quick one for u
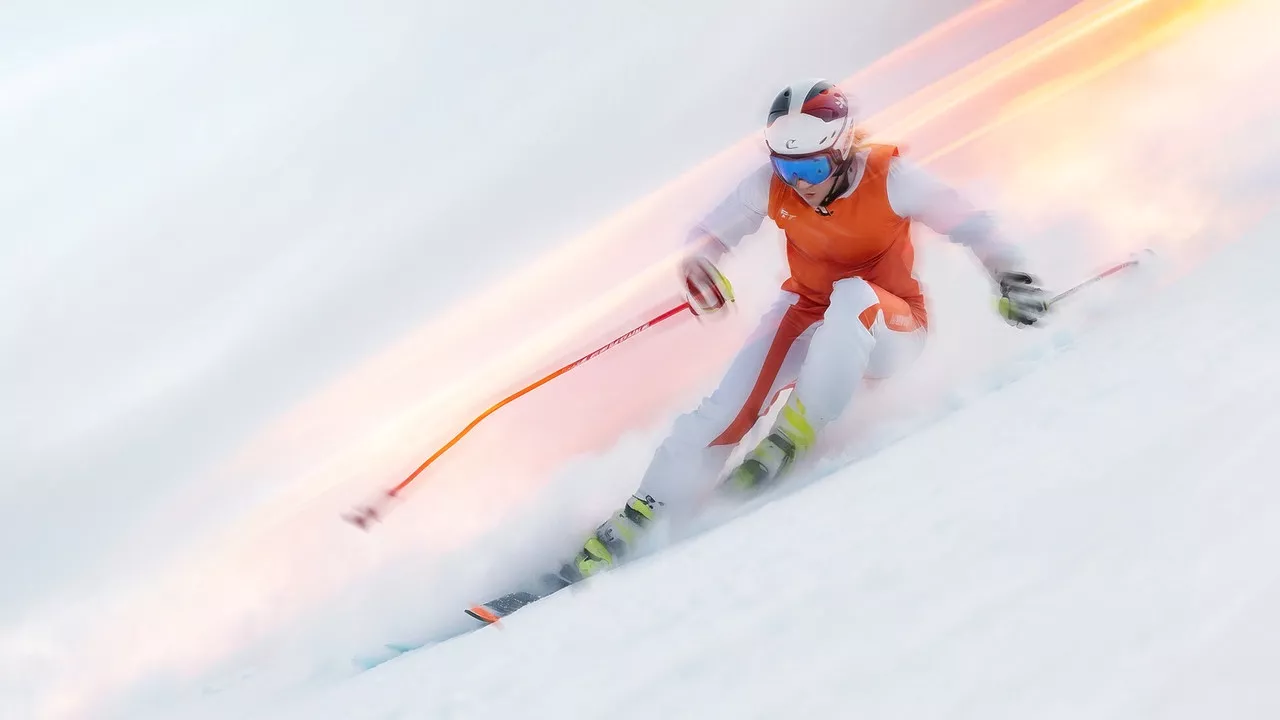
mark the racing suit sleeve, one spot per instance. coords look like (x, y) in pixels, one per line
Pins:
(738, 215)
(919, 195)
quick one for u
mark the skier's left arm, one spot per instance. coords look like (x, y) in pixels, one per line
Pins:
(919, 195)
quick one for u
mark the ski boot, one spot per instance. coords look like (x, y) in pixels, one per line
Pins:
(613, 541)
(791, 436)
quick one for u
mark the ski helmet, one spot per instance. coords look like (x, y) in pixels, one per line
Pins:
(810, 132)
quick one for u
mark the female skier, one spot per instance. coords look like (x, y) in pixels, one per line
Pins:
(850, 310)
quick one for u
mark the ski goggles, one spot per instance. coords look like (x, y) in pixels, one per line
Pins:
(812, 169)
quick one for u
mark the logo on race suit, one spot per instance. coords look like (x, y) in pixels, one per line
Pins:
(899, 322)
(791, 144)
(784, 214)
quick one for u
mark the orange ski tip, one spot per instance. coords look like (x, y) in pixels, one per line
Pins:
(482, 613)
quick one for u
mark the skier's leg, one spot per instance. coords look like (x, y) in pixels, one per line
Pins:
(896, 347)
(867, 332)
(691, 457)
(688, 461)
(865, 329)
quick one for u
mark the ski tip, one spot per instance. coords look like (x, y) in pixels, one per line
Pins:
(483, 614)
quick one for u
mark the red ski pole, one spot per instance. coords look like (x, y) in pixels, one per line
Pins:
(1133, 261)
(362, 516)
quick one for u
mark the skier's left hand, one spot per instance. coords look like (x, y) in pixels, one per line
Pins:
(1022, 301)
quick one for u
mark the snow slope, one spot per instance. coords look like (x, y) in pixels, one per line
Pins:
(1095, 539)
(1068, 522)
(1084, 528)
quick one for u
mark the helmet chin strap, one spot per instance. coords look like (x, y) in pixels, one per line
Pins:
(837, 188)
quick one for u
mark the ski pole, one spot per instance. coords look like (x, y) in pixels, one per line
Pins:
(362, 516)
(1131, 262)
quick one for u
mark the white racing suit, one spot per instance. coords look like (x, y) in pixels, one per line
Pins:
(851, 310)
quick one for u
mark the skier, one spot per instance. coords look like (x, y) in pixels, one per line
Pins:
(850, 310)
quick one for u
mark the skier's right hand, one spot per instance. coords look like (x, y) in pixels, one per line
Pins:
(705, 288)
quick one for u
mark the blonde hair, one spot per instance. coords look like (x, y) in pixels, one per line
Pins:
(860, 135)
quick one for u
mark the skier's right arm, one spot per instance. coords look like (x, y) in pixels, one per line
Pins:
(738, 215)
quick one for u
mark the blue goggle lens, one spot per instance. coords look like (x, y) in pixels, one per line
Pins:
(812, 170)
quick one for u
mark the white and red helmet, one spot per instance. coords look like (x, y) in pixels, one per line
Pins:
(810, 120)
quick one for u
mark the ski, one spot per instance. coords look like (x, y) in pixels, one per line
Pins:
(487, 613)
(498, 608)
(494, 610)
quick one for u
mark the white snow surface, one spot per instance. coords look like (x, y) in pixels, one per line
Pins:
(241, 234)
(1105, 551)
